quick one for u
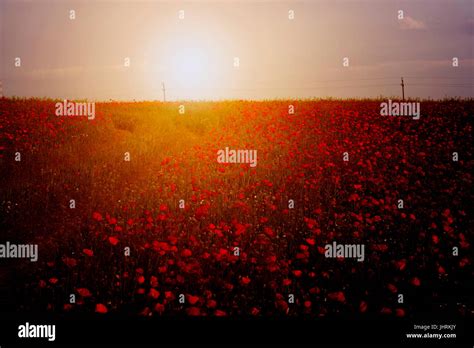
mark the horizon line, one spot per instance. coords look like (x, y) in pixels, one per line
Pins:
(263, 100)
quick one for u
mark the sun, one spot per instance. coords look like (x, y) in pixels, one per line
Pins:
(190, 66)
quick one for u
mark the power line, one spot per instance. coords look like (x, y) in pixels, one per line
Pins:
(396, 78)
(444, 85)
(440, 77)
(315, 87)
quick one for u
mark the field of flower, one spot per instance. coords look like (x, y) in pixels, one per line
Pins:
(168, 221)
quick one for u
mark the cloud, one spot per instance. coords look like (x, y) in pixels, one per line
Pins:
(410, 23)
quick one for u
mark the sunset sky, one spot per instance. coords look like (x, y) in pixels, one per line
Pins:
(194, 56)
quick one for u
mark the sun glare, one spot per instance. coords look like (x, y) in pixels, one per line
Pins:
(190, 66)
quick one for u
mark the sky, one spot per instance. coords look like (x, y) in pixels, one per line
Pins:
(233, 49)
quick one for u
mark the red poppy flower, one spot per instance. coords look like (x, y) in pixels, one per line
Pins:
(193, 311)
(153, 281)
(84, 292)
(245, 281)
(193, 299)
(337, 296)
(159, 308)
(69, 261)
(399, 312)
(254, 311)
(100, 308)
(97, 216)
(297, 273)
(113, 240)
(392, 288)
(401, 264)
(154, 293)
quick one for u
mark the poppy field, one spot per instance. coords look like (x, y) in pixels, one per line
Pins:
(134, 215)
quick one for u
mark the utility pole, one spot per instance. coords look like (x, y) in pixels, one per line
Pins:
(164, 91)
(403, 90)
